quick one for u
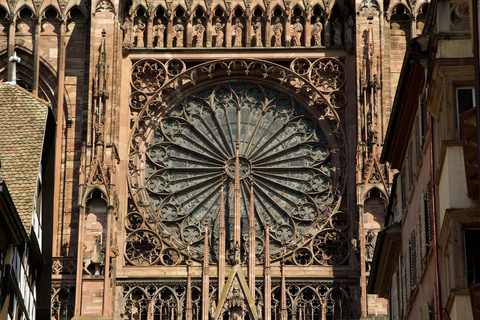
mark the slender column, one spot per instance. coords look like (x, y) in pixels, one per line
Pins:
(237, 195)
(267, 274)
(150, 31)
(268, 34)
(36, 57)
(287, 32)
(208, 33)
(283, 302)
(59, 134)
(11, 45)
(363, 278)
(106, 272)
(169, 30)
(78, 288)
(206, 276)
(248, 30)
(228, 32)
(221, 245)
(188, 307)
(189, 32)
(307, 32)
(251, 238)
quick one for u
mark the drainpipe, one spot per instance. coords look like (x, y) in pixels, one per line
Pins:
(476, 55)
(434, 224)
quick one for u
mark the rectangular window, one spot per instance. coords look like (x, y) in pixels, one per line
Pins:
(472, 255)
(465, 101)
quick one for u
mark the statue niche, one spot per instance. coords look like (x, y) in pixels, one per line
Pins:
(94, 236)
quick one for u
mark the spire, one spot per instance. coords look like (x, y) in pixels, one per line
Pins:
(14, 60)
(206, 276)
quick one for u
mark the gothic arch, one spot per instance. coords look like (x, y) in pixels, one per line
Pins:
(393, 10)
(81, 8)
(50, 7)
(25, 6)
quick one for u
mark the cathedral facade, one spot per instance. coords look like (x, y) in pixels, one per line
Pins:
(213, 159)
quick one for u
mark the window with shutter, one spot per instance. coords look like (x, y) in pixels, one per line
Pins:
(410, 166)
(402, 186)
(418, 138)
(422, 237)
(425, 312)
(429, 219)
(394, 297)
(413, 259)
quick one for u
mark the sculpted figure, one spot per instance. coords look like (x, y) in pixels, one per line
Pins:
(127, 31)
(198, 32)
(139, 33)
(349, 29)
(213, 308)
(96, 258)
(297, 33)
(257, 27)
(317, 32)
(178, 29)
(337, 32)
(219, 33)
(238, 30)
(277, 32)
(159, 32)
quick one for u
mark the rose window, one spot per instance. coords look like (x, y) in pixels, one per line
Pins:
(190, 155)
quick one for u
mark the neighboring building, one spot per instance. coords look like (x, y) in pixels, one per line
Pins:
(426, 257)
(147, 95)
(26, 142)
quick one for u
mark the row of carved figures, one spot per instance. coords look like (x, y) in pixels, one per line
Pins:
(143, 33)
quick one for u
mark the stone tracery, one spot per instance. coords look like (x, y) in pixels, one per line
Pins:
(190, 154)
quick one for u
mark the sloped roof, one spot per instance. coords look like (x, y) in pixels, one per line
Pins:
(22, 129)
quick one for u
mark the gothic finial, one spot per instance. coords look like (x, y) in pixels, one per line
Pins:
(14, 59)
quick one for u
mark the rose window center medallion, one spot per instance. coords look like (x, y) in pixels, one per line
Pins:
(244, 168)
(183, 164)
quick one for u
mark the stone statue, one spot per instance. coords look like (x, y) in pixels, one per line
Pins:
(95, 258)
(139, 34)
(337, 32)
(260, 310)
(238, 30)
(257, 27)
(159, 33)
(219, 33)
(297, 33)
(277, 32)
(213, 308)
(127, 31)
(349, 30)
(198, 32)
(178, 29)
(317, 32)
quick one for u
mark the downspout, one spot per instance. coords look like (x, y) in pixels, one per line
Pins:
(434, 223)
(476, 55)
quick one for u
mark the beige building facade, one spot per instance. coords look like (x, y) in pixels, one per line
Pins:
(424, 262)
